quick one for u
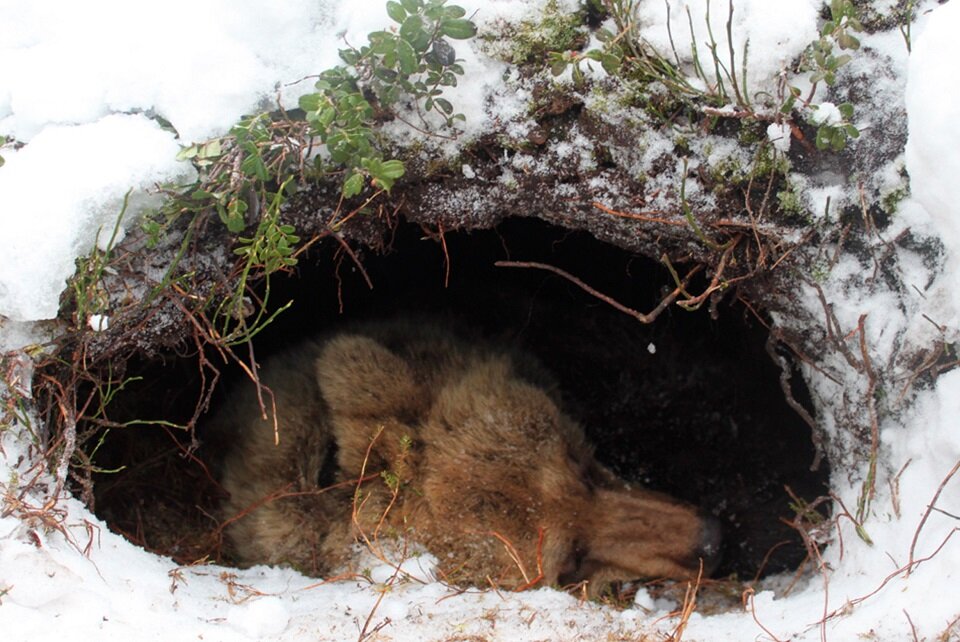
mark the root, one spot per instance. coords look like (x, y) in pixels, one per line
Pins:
(649, 317)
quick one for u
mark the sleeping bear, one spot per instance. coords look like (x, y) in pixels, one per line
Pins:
(404, 429)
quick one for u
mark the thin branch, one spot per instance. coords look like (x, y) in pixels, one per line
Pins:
(785, 376)
(639, 316)
(926, 515)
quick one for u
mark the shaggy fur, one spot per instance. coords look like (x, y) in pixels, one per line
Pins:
(479, 446)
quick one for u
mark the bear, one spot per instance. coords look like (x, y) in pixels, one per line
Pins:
(407, 428)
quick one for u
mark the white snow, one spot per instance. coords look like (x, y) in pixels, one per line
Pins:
(779, 135)
(66, 188)
(769, 34)
(80, 84)
(826, 113)
(934, 111)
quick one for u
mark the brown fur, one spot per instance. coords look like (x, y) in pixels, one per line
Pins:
(480, 446)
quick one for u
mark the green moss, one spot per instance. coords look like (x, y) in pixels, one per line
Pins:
(729, 171)
(556, 30)
(790, 201)
(766, 162)
(751, 132)
(820, 271)
(891, 201)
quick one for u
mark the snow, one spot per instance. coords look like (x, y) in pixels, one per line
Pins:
(826, 113)
(934, 112)
(82, 85)
(779, 135)
(771, 33)
(93, 166)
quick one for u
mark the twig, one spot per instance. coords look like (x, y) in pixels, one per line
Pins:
(639, 316)
(926, 515)
(446, 255)
(748, 596)
(515, 556)
(913, 629)
(903, 569)
(785, 375)
(689, 606)
(642, 216)
(869, 484)
(539, 577)
(693, 303)
(346, 248)
(895, 488)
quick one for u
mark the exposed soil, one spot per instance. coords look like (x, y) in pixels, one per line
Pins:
(689, 405)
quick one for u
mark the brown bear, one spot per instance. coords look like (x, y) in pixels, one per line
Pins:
(403, 428)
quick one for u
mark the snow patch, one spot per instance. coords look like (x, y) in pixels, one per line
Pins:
(63, 191)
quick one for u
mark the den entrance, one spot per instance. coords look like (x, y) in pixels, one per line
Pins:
(690, 405)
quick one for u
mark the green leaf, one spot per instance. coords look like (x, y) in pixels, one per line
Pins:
(444, 105)
(838, 141)
(310, 102)
(852, 131)
(383, 42)
(458, 29)
(412, 6)
(824, 137)
(203, 195)
(396, 12)
(384, 74)
(211, 149)
(253, 166)
(353, 185)
(187, 153)
(349, 56)
(454, 12)
(233, 215)
(788, 104)
(577, 75)
(610, 64)
(407, 58)
(411, 28)
(441, 54)
(392, 169)
(846, 110)
(846, 41)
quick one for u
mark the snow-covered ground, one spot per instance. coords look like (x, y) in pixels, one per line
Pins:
(80, 84)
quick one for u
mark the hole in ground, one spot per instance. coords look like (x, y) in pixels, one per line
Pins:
(688, 405)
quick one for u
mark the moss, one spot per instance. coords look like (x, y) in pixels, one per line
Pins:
(767, 162)
(890, 201)
(555, 31)
(820, 271)
(790, 200)
(729, 171)
(751, 132)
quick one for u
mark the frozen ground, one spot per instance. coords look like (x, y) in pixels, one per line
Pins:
(79, 84)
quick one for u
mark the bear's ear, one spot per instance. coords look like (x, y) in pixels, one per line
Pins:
(359, 377)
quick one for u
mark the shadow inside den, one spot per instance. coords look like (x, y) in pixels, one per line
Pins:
(689, 405)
